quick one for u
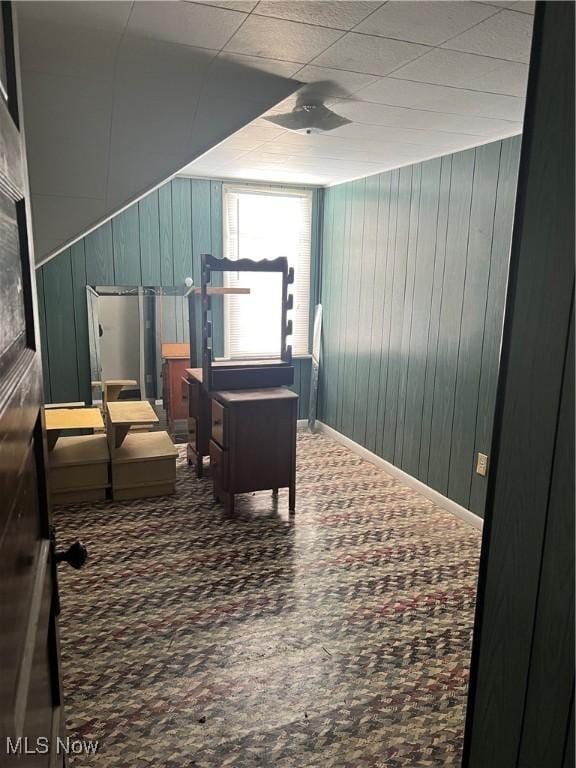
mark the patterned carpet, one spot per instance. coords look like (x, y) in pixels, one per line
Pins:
(339, 639)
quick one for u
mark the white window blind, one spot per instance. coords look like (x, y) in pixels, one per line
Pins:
(265, 223)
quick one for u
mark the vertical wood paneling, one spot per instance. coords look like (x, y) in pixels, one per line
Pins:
(156, 242)
(99, 256)
(404, 359)
(182, 230)
(342, 234)
(434, 319)
(379, 299)
(390, 224)
(60, 328)
(472, 323)
(165, 228)
(149, 221)
(126, 244)
(421, 307)
(450, 319)
(78, 262)
(364, 326)
(413, 279)
(354, 256)
(394, 358)
(499, 262)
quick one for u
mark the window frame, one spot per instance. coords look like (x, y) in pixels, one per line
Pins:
(259, 188)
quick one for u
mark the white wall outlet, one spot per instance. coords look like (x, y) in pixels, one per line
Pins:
(482, 464)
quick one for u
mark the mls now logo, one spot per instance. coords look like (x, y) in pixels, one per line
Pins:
(41, 746)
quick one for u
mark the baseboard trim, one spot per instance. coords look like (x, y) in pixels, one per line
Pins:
(438, 499)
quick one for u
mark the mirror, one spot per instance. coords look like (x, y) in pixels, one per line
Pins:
(127, 328)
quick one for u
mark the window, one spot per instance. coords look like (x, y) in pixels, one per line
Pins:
(265, 223)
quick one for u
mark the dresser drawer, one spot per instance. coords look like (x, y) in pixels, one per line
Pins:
(219, 466)
(192, 430)
(193, 399)
(219, 424)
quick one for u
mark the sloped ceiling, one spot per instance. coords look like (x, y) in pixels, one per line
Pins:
(113, 106)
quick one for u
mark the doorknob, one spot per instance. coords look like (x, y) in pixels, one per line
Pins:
(76, 555)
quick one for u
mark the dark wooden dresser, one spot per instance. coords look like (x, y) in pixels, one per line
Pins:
(253, 445)
(199, 418)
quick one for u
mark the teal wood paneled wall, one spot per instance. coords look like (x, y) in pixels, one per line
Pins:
(157, 241)
(414, 273)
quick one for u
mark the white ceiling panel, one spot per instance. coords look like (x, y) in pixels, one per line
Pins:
(523, 6)
(504, 36)
(461, 70)
(417, 80)
(430, 23)
(273, 66)
(279, 39)
(344, 14)
(401, 117)
(459, 101)
(234, 5)
(186, 23)
(369, 54)
(347, 81)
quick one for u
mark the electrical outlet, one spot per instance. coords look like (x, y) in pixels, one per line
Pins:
(482, 464)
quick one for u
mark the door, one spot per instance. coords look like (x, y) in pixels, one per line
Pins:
(30, 695)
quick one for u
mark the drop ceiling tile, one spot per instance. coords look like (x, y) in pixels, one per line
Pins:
(524, 6)
(464, 102)
(459, 101)
(279, 39)
(272, 66)
(379, 114)
(461, 70)
(234, 5)
(381, 134)
(372, 55)
(56, 49)
(342, 14)
(424, 22)
(349, 82)
(101, 14)
(511, 78)
(192, 24)
(506, 35)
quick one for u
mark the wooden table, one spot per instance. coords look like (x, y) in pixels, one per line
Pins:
(123, 414)
(58, 419)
